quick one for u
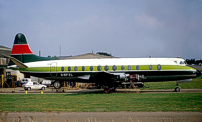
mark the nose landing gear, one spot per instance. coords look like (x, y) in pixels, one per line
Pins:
(177, 88)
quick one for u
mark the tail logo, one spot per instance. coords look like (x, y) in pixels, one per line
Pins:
(20, 45)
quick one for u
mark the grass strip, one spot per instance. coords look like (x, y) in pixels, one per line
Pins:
(195, 84)
(101, 102)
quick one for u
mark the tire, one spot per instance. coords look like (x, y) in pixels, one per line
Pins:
(43, 88)
(28, 88)
(107, 91)
(25, 89)
(57, 85)
(177, 89)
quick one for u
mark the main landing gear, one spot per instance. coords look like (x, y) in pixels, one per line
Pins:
(109, 90)
(177, 89)
(57, 85)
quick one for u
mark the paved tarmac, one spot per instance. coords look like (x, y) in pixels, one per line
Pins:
(20, 90)
(100, 117)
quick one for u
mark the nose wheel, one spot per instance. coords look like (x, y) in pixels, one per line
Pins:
(177, 89)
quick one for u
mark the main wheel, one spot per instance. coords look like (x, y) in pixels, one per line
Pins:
(57, 85)
(107, 91)
(177, 89)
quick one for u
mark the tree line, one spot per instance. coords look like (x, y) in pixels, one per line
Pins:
(194, 62)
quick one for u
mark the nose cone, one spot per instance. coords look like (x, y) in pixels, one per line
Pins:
(198, 73)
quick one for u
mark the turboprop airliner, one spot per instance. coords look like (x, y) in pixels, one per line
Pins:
(110, 72)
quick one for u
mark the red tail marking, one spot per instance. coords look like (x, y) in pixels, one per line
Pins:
(21, 49)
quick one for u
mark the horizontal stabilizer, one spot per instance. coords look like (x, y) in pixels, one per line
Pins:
(16, 61)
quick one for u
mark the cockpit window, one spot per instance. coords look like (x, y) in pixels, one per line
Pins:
(181, 62)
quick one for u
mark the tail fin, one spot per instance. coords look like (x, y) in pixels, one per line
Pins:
(20, 46)
(22, 52)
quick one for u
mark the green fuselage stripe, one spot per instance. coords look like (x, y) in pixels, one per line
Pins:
(110, 68)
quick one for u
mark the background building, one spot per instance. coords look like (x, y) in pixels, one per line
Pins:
(86, 56)
(3, 60)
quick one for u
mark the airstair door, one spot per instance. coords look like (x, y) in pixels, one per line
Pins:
(53, 69)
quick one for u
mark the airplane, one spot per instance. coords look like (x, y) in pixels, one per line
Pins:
(109, 72)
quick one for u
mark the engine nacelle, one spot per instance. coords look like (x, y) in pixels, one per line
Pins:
(136, 78)
(128, 78)
(121, 77)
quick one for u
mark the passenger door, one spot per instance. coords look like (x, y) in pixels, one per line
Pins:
(53, 69)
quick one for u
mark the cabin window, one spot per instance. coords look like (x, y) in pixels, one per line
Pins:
(91, 68)
(150, 67)
(122, 67)
(62, 69)
(114, 67)
(99, 68)
(83, 68)
(106, 68)
(137, 67)
(159, 67)
(69, 68)
(75, 68)
(129, 67)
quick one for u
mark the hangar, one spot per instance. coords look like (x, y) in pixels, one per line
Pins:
(4, 61)
(86, 56)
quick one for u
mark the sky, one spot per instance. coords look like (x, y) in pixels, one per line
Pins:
(124, 28)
